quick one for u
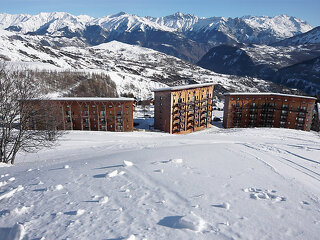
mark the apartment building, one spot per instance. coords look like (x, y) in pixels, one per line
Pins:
(183, 109)
(93, 114)
(268, 110)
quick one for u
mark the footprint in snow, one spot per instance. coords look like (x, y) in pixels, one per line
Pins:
(115, 173)
(173, 160)
(257, 194)
(222, 205)
(78, 212)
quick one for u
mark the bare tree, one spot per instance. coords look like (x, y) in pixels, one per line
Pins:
(24, 126)
(145, 104)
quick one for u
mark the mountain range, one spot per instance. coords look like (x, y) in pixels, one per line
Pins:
(182, 35)
(236, 51)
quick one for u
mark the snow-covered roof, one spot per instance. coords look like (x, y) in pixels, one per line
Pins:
(86, 99)
(182, 87)
(267, 94)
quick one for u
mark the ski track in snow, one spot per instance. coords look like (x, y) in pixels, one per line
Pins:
(214, 184)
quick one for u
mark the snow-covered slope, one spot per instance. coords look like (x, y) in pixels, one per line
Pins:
(124, 22)
(282, 25)
(310, 37)
(44, 22)
(134, 69)
(214, 184)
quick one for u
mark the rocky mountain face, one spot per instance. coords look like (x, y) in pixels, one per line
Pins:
(292, 61)
(182, 35)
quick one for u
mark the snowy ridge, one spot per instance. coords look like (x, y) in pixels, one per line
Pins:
(284, 26)
(281, 26)
(178, 21)
(125, 22)
(51, 21)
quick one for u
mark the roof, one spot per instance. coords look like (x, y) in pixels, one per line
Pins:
(176, 88)
(96, 99)
(267, 94)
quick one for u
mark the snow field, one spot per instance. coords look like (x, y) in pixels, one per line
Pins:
(213, 184)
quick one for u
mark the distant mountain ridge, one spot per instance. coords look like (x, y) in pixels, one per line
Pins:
(182, 35)
(293, 66)
(310, 37)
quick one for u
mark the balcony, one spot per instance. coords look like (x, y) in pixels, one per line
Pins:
(283, 118)
(190, 120)
(253, 111)
(268, 105)
(302, 109)
(203, 118)
(268, 110)
(300, 120)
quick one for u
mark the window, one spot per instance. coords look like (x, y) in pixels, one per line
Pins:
(93, 106)
(110, 106)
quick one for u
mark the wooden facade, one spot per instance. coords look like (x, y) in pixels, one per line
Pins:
(268, 110)
(94, 114)
(183, 109)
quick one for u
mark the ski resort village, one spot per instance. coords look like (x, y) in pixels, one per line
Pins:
(159, 128)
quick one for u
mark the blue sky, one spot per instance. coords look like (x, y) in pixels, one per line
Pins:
(308, 10)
